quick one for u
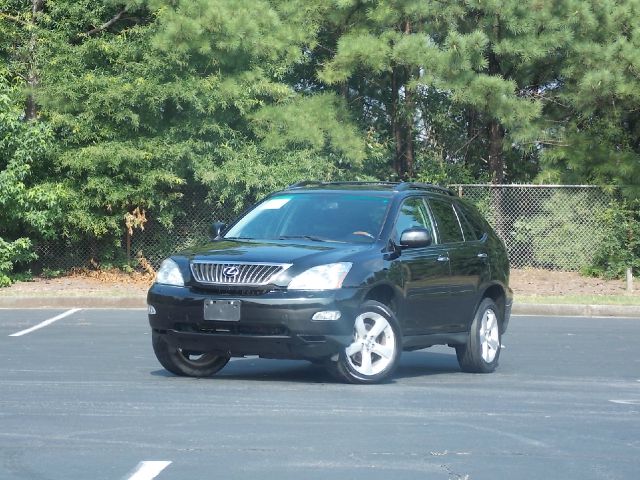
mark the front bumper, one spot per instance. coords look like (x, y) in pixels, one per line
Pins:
(276, 324)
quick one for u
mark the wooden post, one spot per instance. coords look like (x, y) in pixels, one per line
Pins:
(629, 280)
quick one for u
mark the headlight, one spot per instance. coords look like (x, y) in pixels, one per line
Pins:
(322, 277)
(169, 274)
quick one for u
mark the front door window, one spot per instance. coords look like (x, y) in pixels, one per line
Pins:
(413, 213)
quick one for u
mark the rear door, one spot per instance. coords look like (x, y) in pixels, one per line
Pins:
(468, 262)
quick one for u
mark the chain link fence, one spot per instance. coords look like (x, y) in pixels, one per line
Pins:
(193, 228)
(554, 227)
(543, 226)
(143, 246)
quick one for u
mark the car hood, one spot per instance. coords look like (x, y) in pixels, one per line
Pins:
(302, 254)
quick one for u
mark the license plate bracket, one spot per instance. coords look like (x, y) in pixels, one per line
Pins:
(222, 310)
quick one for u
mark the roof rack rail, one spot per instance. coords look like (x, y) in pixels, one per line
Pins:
(398, 186)
(306, 183)
(424, 186)
(373, 182)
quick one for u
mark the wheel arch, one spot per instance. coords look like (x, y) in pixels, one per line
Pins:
(497, 293)
(385, 294)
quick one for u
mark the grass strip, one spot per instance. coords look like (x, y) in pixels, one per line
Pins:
(580, 299)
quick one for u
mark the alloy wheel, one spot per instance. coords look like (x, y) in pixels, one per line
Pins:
(373, 346)
(489, 336)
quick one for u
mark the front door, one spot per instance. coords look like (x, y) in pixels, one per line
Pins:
(425, 275)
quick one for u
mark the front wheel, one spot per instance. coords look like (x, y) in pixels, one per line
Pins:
(481, 352)
(186, 363)
(375, 350)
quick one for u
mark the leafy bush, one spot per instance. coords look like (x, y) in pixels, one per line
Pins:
(23, 207)
(620, 247)
(12, 253)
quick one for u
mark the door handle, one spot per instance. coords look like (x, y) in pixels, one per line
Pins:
(482, 255)
(443, 258)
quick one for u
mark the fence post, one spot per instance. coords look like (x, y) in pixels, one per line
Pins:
(128, 241)
(497, 203)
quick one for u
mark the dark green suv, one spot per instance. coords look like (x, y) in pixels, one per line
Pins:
(347, 274)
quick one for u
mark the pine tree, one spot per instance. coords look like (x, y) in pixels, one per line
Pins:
(494, 58)
(597, 108)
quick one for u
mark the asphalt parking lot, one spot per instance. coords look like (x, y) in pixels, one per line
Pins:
(84, 398)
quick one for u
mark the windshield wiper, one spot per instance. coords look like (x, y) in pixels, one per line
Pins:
(306, 237)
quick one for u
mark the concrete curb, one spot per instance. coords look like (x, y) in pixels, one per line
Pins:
(632, 311)
(73, 302)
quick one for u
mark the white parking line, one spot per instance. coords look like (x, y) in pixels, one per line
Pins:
(148, 470)
(626, 402)
(45, 323)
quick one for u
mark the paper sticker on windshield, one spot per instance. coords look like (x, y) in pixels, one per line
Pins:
(274, 203)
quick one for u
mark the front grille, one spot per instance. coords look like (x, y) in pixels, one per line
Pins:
(236, 273)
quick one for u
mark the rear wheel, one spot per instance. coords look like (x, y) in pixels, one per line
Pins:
(481, 352)
(375, 350)
(184, 362)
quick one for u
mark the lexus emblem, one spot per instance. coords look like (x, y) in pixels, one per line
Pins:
(231, 271)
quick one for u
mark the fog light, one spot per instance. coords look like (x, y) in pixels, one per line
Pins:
(151, 310)
(327, 315)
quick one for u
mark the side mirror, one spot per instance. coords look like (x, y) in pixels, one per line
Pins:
(415, 238)
(216, 229)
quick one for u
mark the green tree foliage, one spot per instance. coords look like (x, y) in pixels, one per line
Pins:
(493, 58)
(25, 203)
(110, 101)
(147, 97)
(272, 135)
(12, 254)
(620, 248)
(185, 95)
(597, 102)
(121, 109)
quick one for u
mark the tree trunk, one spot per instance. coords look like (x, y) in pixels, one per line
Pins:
(407, 117)
(31, 108)
(494, 128)
(408, 131)
(396, 126)
(402, 112)
(496, 170)
(496, 159)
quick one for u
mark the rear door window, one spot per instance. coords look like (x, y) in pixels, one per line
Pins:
(475, 220)
(467, 229)
(449, 230)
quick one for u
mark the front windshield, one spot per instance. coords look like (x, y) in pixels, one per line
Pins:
(332, 217)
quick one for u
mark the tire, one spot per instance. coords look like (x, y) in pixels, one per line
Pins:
(184, 363)
(482, 351)
(371, 358)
